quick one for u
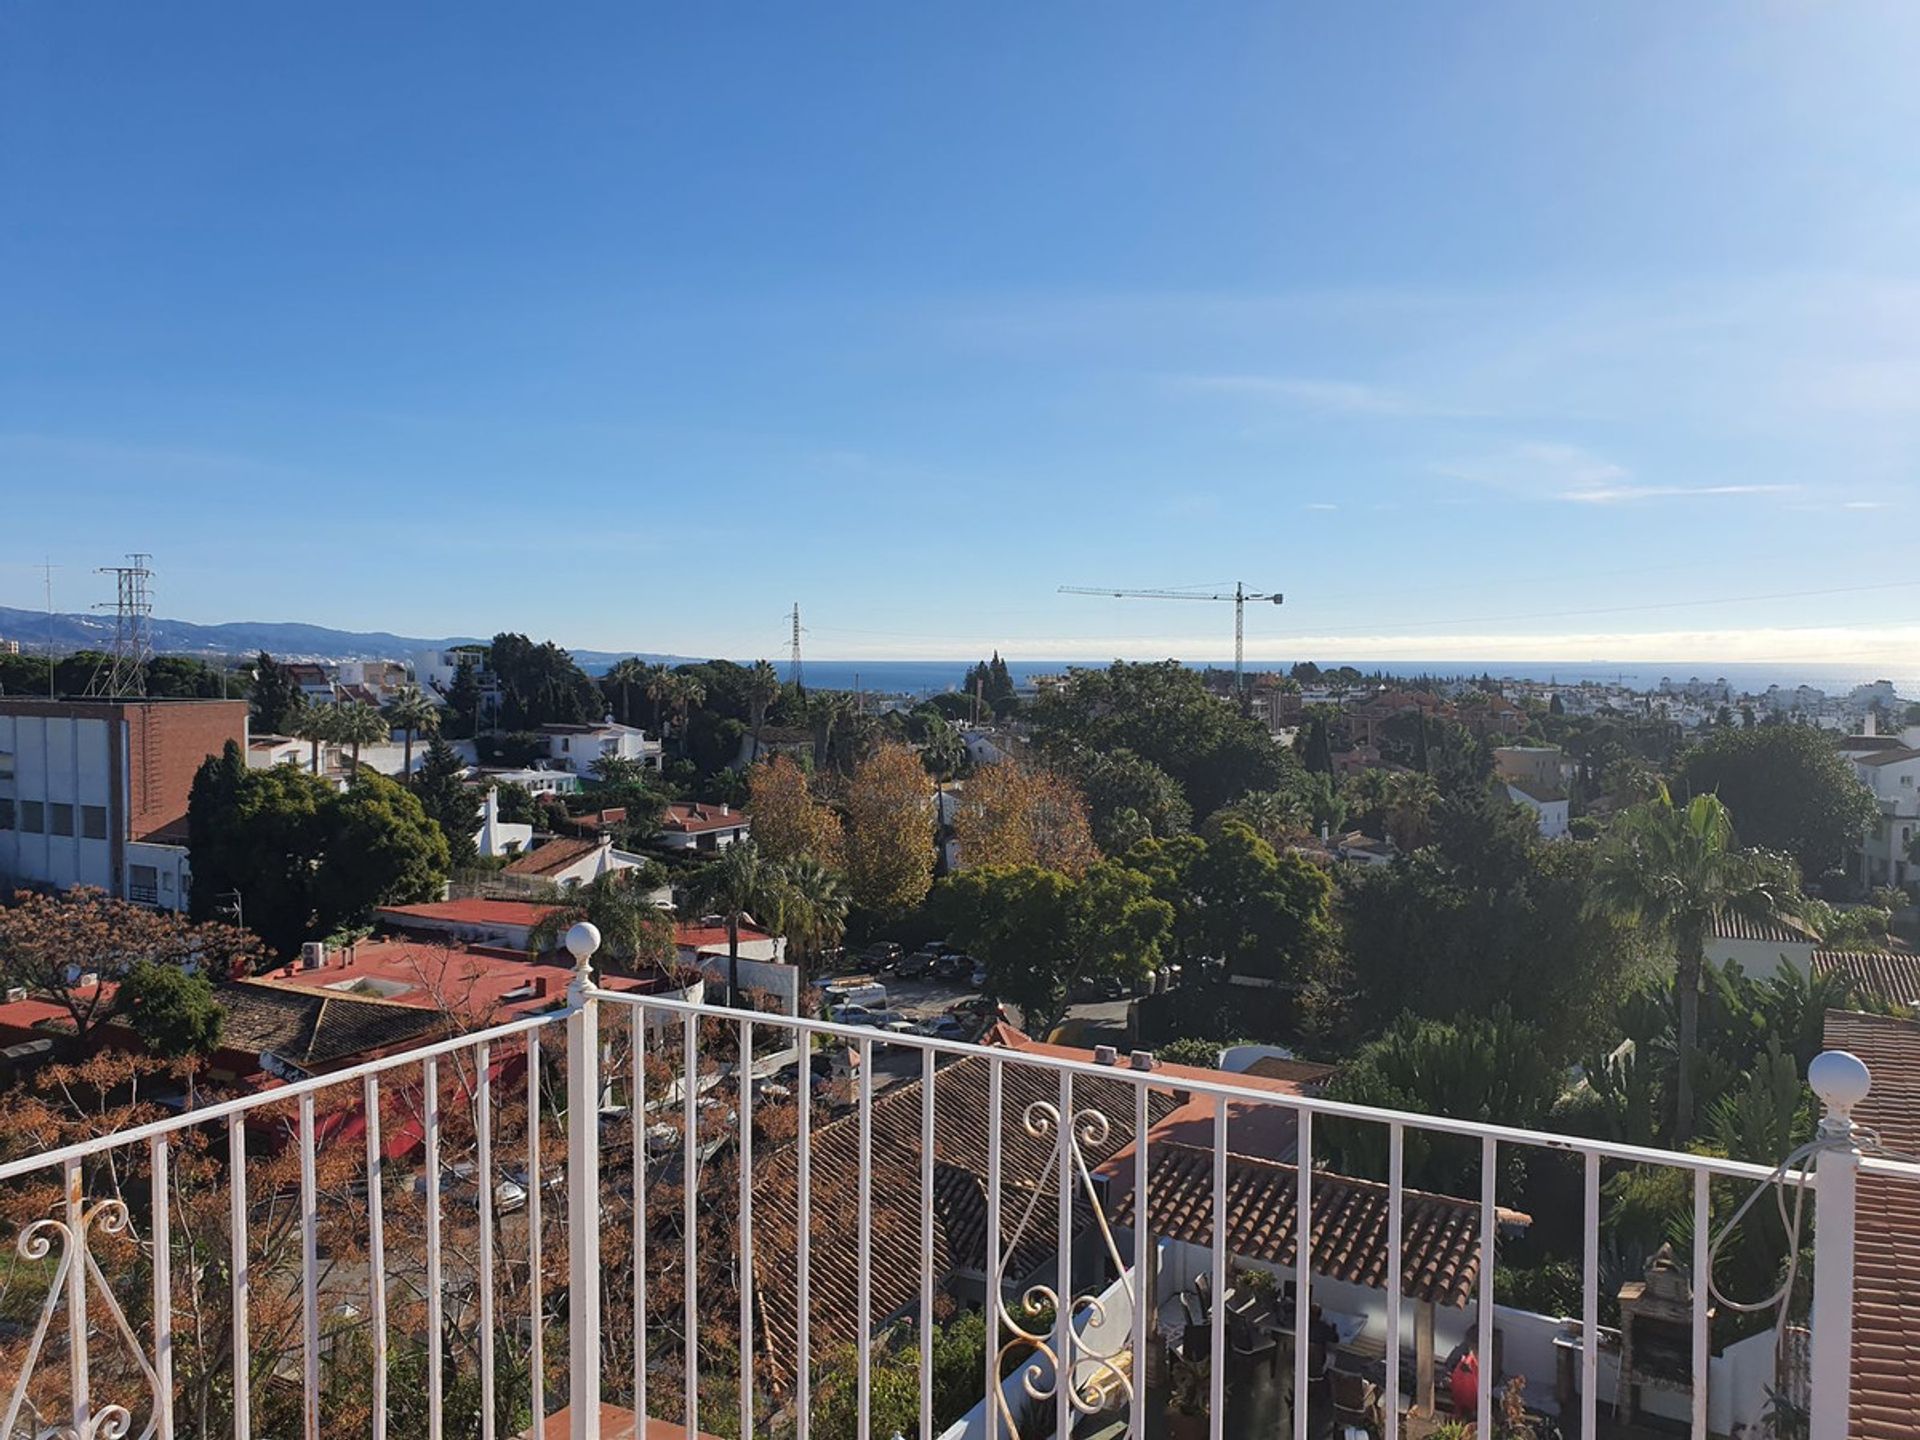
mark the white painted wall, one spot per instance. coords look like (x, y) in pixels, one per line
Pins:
(49, 761)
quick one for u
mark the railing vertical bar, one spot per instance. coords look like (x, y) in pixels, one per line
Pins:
(1396, 1280)
(242, 1276)
(1144, 1263)
(309, 1274)
(690, 1212)
(1489, 1173)
(863, 1287)
(1702, 1293)
(1063, 1274)
(436, 1279)
(926, 1244)
(803, 1243)
(996, 1297)
(1217, 1371)
(483, 1163)
(583, 1203)
(637, 1052)
(376, 1251)
(745, 1088)
(162, 1288)
(77, 1301)
(536, 1280)
(1302, 1266)
(1590, 1299)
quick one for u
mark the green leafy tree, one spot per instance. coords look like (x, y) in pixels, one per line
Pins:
(1787, 790)
(1261, 913)
(412, 713)
(1491, 1068)
(305, 858)
(1165, 714)
(443, 794)
(464, 698)
(1463, 925)
(174, 1013)
(1674, 870)
(1129, 799)
(1039, 932)
(275, 697)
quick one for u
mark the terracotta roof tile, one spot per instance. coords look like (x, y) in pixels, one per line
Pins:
(1440, 1235)
(1891, 977)
(1783, 931)
(1886, 1299)
(554, 856)
(314, 1029)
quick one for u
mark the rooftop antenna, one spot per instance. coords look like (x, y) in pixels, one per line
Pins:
(796, 673)
(125, 673)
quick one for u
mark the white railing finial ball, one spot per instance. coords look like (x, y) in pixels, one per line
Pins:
(1840, 1078)
(582, 940)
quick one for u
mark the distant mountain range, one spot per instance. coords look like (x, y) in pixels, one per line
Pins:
(283, 640)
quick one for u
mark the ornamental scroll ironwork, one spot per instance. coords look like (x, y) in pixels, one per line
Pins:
(1106, 1374)
(75, 1290)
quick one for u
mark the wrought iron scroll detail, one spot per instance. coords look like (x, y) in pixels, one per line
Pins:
(37, 1241)
(1091, 1374)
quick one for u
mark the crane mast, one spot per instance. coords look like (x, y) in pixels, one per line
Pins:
(1240, 595)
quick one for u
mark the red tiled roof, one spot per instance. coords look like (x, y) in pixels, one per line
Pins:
(479, 984)
(616, 1423)
(474, 912)
(1308, 1074)
(689, 935)
(552, 857)
(1440, 1235)
(1886, 1297)
(1892, 977)
(691, 818)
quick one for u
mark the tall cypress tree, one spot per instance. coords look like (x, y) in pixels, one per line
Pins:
(448, 802)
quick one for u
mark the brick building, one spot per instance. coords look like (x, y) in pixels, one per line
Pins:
(94, 792)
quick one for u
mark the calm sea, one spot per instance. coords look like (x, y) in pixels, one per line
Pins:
(927, 677)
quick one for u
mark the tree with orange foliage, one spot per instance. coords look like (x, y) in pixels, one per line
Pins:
(889, 830)
(48, 941)
(1009, 814)
(788, 822)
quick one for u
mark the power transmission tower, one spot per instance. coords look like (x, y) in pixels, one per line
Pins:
(1239, 596)
(796, 673)
(125, 673)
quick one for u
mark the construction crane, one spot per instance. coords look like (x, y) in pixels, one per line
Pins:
(1240, 596)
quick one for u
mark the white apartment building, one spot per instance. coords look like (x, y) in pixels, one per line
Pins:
(1893, 775)
(94, 792)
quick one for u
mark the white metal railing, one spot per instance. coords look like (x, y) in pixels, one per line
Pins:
(291, 1320)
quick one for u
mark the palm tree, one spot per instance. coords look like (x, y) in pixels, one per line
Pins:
(1676, 870)
(763, 688)
(814, 912)
(625, 676)
(360, 724)
(412, 713)
(686, 693)
(658, 686)
(317, 725)
(633, 930)
(741, 885)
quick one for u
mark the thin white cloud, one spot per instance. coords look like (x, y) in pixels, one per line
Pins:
(1551, 470)
(1332, 397)
(1320, 505)
(1620, 494)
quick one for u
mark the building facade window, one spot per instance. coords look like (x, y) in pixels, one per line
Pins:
(6, 812)
(143, 884)
(33, 817)
(93, 822)
(59, 818)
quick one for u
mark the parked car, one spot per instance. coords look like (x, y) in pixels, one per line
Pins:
(978, 979)
(951, 965)
(884, 952)
(868, 993)
(943, 1027)
(912, 967)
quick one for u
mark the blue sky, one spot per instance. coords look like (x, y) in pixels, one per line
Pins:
(1481, 329)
